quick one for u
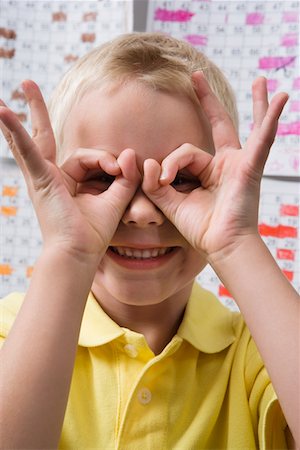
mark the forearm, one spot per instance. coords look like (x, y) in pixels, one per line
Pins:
(271, 310)
(38, 356)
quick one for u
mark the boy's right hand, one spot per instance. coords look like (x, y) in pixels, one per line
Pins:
(73, 215)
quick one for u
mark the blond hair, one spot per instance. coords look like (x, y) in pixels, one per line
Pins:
(157, 60)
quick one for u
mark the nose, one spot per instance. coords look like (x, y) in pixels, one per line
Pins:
(141, 212)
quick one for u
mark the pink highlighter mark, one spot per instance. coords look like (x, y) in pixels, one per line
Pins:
(289, 40)
(272, 85)
(285, 129)
(295, 106)
(276, 62)
(295, 164)
(290, 17)
(255, 19)
(167, 15)
(196, 39)
(296, 83)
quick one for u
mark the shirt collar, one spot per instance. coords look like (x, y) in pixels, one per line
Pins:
(207, 324)
(97, 328)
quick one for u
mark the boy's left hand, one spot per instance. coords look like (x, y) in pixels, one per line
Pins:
(214, 216)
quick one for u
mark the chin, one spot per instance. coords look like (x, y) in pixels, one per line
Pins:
(139, 294)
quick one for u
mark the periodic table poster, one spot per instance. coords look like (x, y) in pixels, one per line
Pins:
(41, 39)
(247, 39)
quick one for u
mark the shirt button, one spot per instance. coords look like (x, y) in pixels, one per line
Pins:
(131, 350)
(144, 396)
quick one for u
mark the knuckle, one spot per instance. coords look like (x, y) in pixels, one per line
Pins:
(41, 133)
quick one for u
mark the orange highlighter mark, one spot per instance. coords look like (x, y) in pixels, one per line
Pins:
(9, 210)
(5, 269)
(29, 270)
(9, 191)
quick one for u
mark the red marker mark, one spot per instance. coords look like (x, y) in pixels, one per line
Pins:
(255, 19)
(290, 17)
(90, 17)
(59, 17)
(167, 15)
(7, 33)
(272, 85)
(70, 58)
(288, 274)
(223, 292)
(280, 231)
(196, 39)
(289, 210)
(276, 62)
(88, 37)
(285, 129)
(284, 253)
(18, 95)
(8, 54)
(289, 40)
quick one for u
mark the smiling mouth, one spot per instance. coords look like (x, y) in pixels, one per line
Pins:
(141, 254)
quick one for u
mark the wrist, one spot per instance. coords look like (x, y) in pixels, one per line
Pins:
(72, 256)
(238, 249)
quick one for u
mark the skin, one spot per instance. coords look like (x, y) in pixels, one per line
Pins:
(134, 298)
(143, 204)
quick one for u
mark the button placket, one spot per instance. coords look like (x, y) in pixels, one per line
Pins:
(131, 350)
(144, 396)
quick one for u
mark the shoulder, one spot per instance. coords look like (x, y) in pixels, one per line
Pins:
(9, 308)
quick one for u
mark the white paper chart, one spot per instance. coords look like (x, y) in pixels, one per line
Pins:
(41, 39)
(246, 39)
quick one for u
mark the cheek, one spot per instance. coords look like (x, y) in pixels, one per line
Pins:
(193, 263)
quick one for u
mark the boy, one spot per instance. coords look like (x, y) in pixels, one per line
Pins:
(151, 185)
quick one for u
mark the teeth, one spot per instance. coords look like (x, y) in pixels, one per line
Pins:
(141, 254)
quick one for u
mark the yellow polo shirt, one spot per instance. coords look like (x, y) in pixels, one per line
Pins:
(208, 389)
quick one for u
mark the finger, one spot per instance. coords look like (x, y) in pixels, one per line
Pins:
(165, 197)
(84, 160)
(261, 139)
(21, 144)
(187, 156)
(223, 131)
(42, 133)
(126, 183)
(260, 100)
(10, 142)
(128, 164)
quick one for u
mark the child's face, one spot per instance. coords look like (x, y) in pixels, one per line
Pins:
(154, 124)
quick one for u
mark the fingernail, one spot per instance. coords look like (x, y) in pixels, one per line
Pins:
(163, 175)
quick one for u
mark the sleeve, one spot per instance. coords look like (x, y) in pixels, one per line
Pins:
(266, 413)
